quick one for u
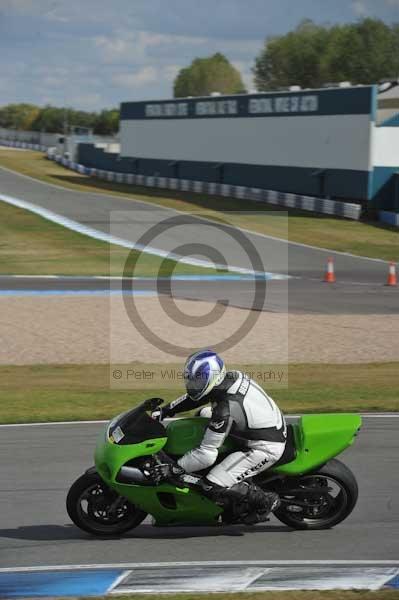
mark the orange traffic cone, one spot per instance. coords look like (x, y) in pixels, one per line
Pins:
(330, 274)
(392, 280)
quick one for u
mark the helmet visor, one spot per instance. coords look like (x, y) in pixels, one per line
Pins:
(196, 385)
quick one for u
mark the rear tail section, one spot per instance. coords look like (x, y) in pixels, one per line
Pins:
(318, 438)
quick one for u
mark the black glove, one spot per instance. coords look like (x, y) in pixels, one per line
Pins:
(166, 472)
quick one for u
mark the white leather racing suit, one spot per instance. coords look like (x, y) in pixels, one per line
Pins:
(242, 409)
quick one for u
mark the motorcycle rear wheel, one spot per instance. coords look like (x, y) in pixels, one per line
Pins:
(98, 510)
(320, 511)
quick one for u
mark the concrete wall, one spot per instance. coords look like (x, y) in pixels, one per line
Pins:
(31, 137)
(311, 142)
(301, 142)
(96, 157)
(386, 147)
(319, 205)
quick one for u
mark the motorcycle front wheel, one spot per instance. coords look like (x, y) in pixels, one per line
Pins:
(319, 500)
(98, 510)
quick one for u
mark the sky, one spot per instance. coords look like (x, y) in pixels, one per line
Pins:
(94, 54)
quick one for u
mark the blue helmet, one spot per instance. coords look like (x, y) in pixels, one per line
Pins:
(202, 372)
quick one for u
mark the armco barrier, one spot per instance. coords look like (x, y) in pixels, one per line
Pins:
(23, 145)
(390, 218)
(320, 205)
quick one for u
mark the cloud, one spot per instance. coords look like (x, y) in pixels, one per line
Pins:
(93, 53)
(113, 49)
(364, 8)
(125, 46)
(138, 79)
(170, 72)
(19, 6)
(245, 69)
(51, 9)
(360, 8)
(88, 101)
(145, 76)
(53, 15)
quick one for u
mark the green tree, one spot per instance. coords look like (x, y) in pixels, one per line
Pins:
(311, 55)
(50, 119)
(364, 52)
(107, 122)
(206, 75)
(53, 119)
(81, 118)
(18, 116)
(292, 59)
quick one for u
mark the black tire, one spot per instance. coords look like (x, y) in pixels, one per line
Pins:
(339, 508)
(97, 519)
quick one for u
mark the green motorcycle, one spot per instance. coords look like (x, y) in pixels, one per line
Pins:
(316, 490)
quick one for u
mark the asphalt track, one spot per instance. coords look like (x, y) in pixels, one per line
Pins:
(359, 289)
(294, 295)
(39, 463)
(95, 210)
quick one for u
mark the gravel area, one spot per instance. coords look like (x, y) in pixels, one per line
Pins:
(84, 329)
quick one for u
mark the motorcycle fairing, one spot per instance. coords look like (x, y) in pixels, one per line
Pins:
(169, 505)
(317, 439)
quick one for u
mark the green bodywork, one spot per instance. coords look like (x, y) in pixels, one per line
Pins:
(187, 505)
(318, 438)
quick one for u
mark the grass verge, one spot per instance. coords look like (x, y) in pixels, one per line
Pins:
(82, 392)
(283, 595)
(360, 238)
(31, 245)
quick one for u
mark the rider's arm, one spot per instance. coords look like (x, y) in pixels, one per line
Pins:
(182, 404)
(206, 454)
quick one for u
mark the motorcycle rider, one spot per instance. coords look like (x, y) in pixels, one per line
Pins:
(241, 409)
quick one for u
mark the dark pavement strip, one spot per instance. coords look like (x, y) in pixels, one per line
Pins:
(294, 295)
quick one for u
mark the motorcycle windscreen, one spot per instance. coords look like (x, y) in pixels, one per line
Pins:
(134, 427)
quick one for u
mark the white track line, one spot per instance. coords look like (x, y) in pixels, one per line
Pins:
(112, 239)
(263, 235)
(45, 424)
(233, 563)
(118, 581)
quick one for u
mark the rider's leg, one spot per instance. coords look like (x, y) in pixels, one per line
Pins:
(238, 466)
(228, 478)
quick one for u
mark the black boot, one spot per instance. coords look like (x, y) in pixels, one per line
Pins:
(242, 502)
(231, 499)
(259, 503)
(263, 503)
